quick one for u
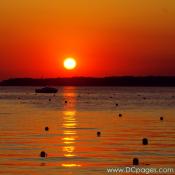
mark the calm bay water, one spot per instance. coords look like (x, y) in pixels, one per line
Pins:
(71, 142)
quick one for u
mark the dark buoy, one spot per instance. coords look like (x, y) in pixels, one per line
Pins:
(145, 141)
(120, 115)
(98, 134)
(161, 118)
(43, 154)
(49, 99)
(116, 104)
(46, 128)
(66, 102)
(135, 161)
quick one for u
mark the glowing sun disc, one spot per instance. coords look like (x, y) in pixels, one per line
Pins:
(70, 63)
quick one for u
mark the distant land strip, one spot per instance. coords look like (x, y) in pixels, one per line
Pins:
(164, 81)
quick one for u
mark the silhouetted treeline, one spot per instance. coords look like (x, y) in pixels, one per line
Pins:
(89, 81)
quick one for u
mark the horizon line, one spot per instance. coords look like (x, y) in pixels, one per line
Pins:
(112, 76)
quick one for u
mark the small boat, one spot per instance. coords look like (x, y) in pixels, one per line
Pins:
(46, 90)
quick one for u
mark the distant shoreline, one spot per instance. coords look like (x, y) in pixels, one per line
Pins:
(163, 81)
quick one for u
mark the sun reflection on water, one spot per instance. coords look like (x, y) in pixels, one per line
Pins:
(69, 133)
(70, 136)
(71, 165)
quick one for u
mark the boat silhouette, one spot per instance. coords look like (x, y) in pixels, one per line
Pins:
(46, 90)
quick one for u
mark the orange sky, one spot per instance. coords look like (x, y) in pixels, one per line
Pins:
(107, 37)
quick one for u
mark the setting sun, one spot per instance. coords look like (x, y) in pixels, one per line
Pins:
(70, 63)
